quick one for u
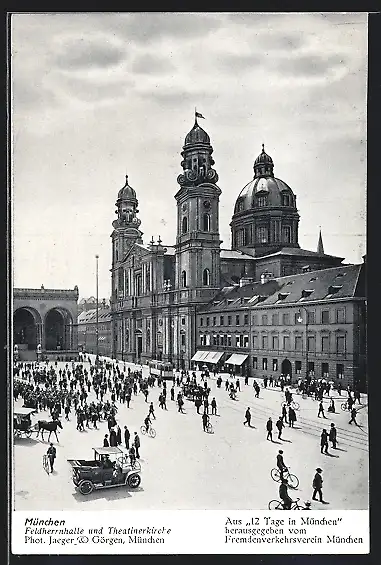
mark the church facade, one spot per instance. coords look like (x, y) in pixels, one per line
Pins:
(158, 290)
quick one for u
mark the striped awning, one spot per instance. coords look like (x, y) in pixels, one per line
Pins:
(200, 356)
(236, 359)
(213, 357)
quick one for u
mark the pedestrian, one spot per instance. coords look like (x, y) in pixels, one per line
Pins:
(205, 421)
(105, 441)
(172, 393)
(151, 411)
(128, 399)
(269, 428)
(257, 389)
(331, 407)
(52, 454)
(333, 435)
(237, 384)
(118, 435)
(248, 418)
(291, 417)
(113, 441)
(280, 427)
(137, 445)
(246, 379)
(317, 485)
(132, 454)
(214, 406)
(321, 409)
(284, 414)
(324, 441)
(180, 403)
(353, 416)
(127, 437)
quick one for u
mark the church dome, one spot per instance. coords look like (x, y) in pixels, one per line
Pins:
(197, 135)
(127, 192)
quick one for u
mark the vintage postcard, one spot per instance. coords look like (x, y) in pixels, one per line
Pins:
(189, 301)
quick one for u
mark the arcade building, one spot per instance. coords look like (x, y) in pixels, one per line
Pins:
(163, 294)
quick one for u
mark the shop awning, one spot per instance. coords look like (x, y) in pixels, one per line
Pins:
(213, 357)
(236, 359)
(200, 356)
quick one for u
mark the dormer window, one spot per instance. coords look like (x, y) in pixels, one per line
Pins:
(282, 295)
(285, 200)
(306, 268)
(262, 200)
(332, 290)
(306, 293)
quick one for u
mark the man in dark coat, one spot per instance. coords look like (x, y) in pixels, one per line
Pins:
(105, 441)
(137, 445)
(291, 417)
(333, 435)
(248, 418)
(280, 427)
(127, 437)
(324, 441)
(317, 485)
(269, 428)
(113, 440)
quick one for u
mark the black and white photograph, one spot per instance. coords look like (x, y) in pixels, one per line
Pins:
(189, 314)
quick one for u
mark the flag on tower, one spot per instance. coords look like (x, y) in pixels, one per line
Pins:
(198, 115)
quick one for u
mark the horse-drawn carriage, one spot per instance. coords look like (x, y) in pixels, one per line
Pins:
(22, 423)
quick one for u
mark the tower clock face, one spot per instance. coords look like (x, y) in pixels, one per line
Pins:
(206, 204)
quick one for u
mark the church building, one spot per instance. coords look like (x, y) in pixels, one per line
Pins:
(159, 289)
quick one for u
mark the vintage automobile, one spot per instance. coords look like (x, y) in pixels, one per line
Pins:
(111, 467)
(22, 425)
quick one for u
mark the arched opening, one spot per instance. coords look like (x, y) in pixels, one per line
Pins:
(184, 227)
(58, 330)
(184, 279)
(25, 330)
(206, 277)
(286, 368)
(206, 222)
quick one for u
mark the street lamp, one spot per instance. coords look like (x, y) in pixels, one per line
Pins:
(300, 320)
(97, 313)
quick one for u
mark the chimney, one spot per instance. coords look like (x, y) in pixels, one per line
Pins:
(265, 277)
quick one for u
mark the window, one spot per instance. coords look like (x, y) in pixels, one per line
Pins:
(275, 342)
(262, 200)
(264, 320)
(182, 339)
(340, 344)
(184, 225)
(237, 340)
(201, 321)
(245, 341)
(207, 321)
(207, 339)
(262, 235)
(246, 319)
(265, 341)
(264, 364)
(202, 339)
(120, 279)
(324, 370)
(206, 277)
(183, 279)
(340, 316)
(237, 320)
(286, 319)
(275, 364)
(285, 200)
(221, 320)
(311, 343)
(214, 342)
(229, 320)
(325, 317)
(255, 362)
(311, 368)
(298, 367)
(206, 222)
(311, 316)
(286, 343)
(333, 289)
(229, 339)
(214, 320)
(325, 343)
(275, 319)
(255, 341)
(183, 321)
(339, 371)
(286, 234)
(255, 320)
(298, 343)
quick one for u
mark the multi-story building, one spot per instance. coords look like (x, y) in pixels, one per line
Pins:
(159, 291)
(88, 328)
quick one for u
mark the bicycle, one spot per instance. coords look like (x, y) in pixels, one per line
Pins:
(293, 481)
(293, 404)
(151, 432)
(46, 464)
(278, 505)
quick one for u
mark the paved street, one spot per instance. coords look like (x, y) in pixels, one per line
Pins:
(186, 468)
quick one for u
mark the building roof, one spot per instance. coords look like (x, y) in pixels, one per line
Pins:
(325, 284)
(299, 252)
(90, 316)
(234, 254)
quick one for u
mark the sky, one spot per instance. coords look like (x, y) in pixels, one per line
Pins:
(96, 96)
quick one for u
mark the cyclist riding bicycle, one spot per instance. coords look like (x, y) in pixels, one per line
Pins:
(284, 496)
(147, 423)
(280, 463)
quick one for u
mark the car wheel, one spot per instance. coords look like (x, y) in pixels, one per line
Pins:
(86, 487)
(134, 480)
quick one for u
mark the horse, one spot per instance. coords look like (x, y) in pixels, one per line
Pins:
(52, 426)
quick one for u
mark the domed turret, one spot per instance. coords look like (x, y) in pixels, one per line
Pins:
(127, 192)
(263, 165)
(196, 135)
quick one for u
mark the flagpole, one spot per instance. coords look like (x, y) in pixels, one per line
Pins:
(195, 114)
